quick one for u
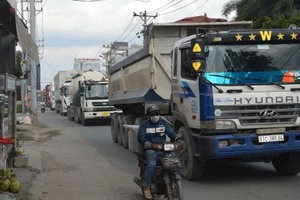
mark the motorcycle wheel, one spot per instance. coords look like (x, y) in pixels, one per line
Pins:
(177, 192)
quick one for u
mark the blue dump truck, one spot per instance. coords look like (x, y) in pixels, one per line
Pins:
(230, 94)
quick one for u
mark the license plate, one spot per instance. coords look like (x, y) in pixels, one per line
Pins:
(105, 113)
(270, 138)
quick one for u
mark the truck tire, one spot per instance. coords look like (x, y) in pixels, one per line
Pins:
(83, 121)
(61, 110)
(56, 109)
(76, 117)
(124, 131)
(119, 129)
(193, 168)
(68, 114)
(113, 124)
(287, 163)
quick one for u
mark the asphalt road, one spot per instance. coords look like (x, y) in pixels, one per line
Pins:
(222, 182)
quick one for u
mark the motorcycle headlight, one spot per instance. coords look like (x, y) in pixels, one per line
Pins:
(169, 147)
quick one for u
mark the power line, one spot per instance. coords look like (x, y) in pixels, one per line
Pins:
(199, 7)
(171, 6)
(160, 7)
(265, 10)
(125, 29)
(179, 8)
(132, 30)
(132, 39)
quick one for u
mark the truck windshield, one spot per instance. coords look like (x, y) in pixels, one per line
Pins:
(96, 91)
(253, 64)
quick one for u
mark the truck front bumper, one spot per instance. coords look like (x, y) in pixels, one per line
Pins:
(91, 115)
(208, 147)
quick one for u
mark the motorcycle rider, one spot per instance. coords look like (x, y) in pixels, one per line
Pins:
(151, 131)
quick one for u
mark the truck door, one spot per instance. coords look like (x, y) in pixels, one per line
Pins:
(186, 87)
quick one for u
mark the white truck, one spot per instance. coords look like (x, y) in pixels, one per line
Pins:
(89, 98)
(61, 85)
(233, 95)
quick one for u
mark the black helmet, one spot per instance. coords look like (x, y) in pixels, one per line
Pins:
(152, 108)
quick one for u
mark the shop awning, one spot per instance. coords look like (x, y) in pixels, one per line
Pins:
(25, 40)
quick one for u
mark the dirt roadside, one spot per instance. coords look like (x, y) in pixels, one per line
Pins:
(29, 135)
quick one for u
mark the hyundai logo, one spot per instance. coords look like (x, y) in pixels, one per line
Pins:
(268, 114)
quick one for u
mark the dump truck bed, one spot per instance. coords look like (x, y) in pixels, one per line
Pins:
(145, 76)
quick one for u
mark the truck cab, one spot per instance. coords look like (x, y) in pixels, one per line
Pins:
(94, 101)
(65, 98)
(235, 96)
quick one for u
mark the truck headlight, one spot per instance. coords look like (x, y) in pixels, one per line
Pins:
(217, 124)
(225, 124)
(88, 109)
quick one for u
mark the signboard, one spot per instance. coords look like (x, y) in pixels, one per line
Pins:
(7, 82)
(2, 82)
(11, 83)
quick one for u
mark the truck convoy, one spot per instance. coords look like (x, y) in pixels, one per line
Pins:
(89, 98)
(232, 94)
(62, 81)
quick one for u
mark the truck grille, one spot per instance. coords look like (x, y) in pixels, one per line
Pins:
(100, 103)
(250, 114)
(110, 108)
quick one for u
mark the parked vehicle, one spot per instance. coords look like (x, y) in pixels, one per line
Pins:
(232, 95)
(43, 107)
(61, 84)
(47, 96)
(89, 98)
(166, 179)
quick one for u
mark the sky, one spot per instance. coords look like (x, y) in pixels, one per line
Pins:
(71, 29)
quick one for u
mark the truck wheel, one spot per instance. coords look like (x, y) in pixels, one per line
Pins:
(119, 128)
(61, 110)
(287, 163)
(124, 131)
(83, 121)
(68, 116)
(193, 168)
(113, 124)
(76, 117)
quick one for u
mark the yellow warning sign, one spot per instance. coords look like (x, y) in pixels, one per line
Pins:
(196, 48)
(196, 65)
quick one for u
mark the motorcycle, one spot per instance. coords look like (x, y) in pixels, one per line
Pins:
(43, 107)
(166, 179)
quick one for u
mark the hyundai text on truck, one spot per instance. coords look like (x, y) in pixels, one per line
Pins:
(61, 85)
(231, 94)
(89, 98)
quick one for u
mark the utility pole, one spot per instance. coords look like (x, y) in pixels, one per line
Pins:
(144, 17)
(33, 76)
